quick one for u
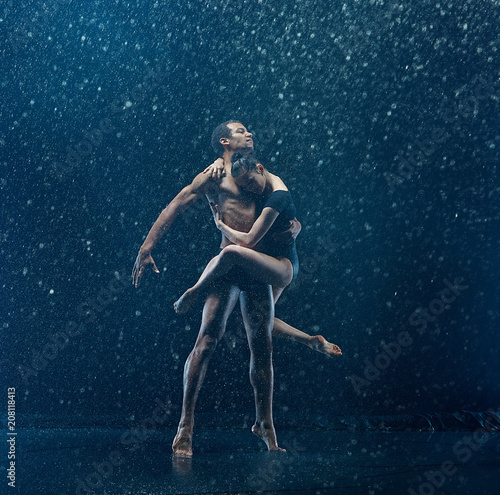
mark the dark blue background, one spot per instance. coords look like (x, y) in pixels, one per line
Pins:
(334, 94)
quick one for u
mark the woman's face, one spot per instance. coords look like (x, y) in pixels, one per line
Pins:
(252, 181)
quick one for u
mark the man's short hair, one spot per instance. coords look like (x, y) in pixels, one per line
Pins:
(242, 164)
(221, 131)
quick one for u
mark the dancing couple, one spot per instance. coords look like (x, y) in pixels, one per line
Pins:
(257, 260)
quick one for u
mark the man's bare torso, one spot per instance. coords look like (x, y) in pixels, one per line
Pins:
(236, 206)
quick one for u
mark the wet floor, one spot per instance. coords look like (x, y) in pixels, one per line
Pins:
(111, 462)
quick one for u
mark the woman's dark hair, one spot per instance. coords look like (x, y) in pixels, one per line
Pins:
(243, 164)
(221, 131)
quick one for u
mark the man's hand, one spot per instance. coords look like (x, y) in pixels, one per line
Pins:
(216, 170)
(295, 228)
(289, 235)
(141, 262)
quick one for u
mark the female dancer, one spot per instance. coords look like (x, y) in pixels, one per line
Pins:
(275, 264)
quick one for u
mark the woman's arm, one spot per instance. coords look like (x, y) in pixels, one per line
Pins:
(257, 232)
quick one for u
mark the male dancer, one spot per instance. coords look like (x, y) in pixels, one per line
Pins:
(239, 212)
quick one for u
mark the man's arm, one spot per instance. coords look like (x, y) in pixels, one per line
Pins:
(188, 196)
(289, 235)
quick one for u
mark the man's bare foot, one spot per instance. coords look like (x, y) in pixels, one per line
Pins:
(320, 344)
(182, 445)
(268, 436)
(184, 302)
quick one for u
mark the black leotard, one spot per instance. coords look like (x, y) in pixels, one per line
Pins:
(282, 202)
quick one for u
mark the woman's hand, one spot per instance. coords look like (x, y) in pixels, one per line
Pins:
(216, 170)
(216, 214)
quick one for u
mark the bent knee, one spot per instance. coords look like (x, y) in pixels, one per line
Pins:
(231, 251)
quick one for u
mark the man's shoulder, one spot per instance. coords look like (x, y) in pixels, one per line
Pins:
(203, 183)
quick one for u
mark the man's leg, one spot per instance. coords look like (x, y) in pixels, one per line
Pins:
(257, 309)
(218, 306)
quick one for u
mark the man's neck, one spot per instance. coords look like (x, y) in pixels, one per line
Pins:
(227, 160)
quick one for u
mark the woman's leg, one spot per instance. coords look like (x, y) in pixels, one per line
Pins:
(286, 331)
(259, 266)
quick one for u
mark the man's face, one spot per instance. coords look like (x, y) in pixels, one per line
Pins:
(241, 139)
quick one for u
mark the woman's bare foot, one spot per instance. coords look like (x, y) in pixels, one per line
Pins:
(268, 436)
(320, 344)
(184, 302)
(182, 445)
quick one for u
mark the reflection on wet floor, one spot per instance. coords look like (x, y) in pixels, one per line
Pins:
(100, 461)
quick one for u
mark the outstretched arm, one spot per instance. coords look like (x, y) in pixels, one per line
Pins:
(257, 232)
(188, 196)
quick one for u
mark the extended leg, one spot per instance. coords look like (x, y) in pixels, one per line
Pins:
(218, 306)
(286, 331)
(257, 309)
(315, 342)
(261, 267)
